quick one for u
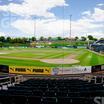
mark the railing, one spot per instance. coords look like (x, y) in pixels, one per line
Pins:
(10, 80)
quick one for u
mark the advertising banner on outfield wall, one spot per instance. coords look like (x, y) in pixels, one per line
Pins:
(71, 70)
(49, 71)
(30, 70)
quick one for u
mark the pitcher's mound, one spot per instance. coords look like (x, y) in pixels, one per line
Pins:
(60, 61)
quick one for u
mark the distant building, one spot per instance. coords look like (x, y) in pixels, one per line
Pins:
(98, 46)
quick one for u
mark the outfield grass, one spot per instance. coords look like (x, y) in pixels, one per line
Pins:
(85, 57)
(38, 53)
(90, 58)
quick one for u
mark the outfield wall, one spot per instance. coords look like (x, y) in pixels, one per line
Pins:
(44, 70)
(48, 71)
(32, 70)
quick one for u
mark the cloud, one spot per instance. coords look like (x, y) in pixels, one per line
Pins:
(87, 13)
(2, 34)
(91, 22)
(97, 15)
(54, 27)
(98, 34)
(50, 27)
(34, 7)
(101, 4)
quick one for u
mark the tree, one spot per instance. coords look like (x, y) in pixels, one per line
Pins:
(8, 39)
(42, 38)
(49, 38)
(24, 40)
(101, 38)
(18, 40)
(76, 38)
(2, 38)
(33, 39)
(95, 39)
(1, 44)
(90, 37)
(83, 38)
(59, 38)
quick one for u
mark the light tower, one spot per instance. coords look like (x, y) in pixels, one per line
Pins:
(70, 35)
(70, 27)
(34, 28)
(33, 41)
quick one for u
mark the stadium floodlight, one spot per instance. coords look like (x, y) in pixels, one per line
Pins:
(70, 34)
(34, 28)
(70, 26)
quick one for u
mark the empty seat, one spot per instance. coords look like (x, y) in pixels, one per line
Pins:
(19, 99)
(52, 91)
(37, 93)
(61, 94)
(49, 100)
(50, 94)
(64, 100)
(4, 99)
(34, 100)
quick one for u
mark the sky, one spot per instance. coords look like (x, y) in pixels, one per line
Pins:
(27, 18)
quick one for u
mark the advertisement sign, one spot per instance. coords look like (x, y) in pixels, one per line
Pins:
(29, 70)
(71, 70)
(49, 71)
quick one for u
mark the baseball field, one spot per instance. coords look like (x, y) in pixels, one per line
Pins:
(49, 57)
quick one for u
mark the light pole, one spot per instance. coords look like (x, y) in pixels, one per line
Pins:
(33, 41)
(70, 26)
(70, 35)
(34, 29)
